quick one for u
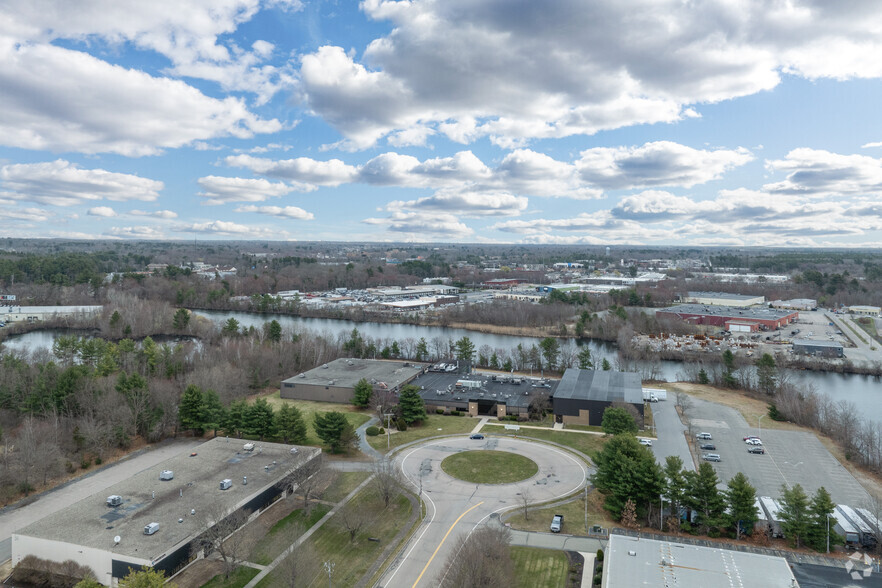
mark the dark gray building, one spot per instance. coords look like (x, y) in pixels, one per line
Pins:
(820, 348)
(583, 395)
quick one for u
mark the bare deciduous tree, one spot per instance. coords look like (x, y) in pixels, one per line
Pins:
(353, 517)
(482, 558)
(300, 567)
(387, 481)
(524, 500)
(307, 482)
(226, 536)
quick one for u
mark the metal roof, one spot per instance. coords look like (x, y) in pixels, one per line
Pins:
(817, 343)
(631, 562)
(723, 296)
(766, 314)
(604, 386)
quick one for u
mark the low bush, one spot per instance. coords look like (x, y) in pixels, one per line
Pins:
(372, 431)
(599, 555)
(439, 411)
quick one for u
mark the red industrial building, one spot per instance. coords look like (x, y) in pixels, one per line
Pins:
(502, 283)
(723, 316)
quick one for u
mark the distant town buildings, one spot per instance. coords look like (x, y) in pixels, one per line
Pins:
(795, 304)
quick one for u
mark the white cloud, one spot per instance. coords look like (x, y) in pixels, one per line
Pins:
(63, 100)
(163, 214)
(139, 232)
(419, 225)
(219, 190)
(287, 212)
(226, 228)
(25, 214)
(302, 169)
(61, 183)
(467, 204)
(815, 172)
(514, 69)
(871, 145)
(662, 163)
(104, 211)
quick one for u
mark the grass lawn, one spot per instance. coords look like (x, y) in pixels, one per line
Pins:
(869, 325)
(237, 579)
(436, 424)
(344, 483)
(353, 559)
(308, 408)
(539, 568)
(489, 467)
(587, 444)
(284, 532)
(573, 513)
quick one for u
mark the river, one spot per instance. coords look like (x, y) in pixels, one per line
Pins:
(864, 391)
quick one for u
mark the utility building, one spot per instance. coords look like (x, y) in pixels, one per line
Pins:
(582, 395)
(151, 520)
(718, 316)
(820, 348)
(335, 381)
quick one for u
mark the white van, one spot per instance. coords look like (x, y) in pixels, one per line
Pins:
(151, 528)
(225, 484)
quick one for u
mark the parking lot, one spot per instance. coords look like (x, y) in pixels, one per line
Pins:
(669, 430)
(791, 457)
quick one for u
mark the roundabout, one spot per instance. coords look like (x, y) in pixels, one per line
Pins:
(454, 507)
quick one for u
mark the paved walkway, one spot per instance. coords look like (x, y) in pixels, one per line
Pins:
(557, 541)
(670, 433)
(267, 569)
(363, 444)
(547, 429)
(588, 568)
(478, 427)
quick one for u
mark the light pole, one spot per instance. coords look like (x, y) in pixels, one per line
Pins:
(759, 424)
(329, 567)
(661, 508)
(586, 506)
(388, 433)
(828, 532)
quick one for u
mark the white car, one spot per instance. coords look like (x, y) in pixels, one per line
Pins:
(647, 442)
(754, 441)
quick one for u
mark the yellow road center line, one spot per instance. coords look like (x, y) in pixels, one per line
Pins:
(428, 563)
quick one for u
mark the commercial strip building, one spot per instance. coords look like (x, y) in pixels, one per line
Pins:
(632, 561)
(795, 304)
(421, 303)
(502, 283)
(13, 313)
(413, 291)
(718, 316)
(819, 348)
(865, 310)
(111, 540)
(723, 299)
(335, 381)
(581, 396)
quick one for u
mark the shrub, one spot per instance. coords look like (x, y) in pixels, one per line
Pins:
(402, 426)
(598, 578)
(372, 431)
(456, 413)
(439, 411)
(381, 431)
(713, 532)
(599, 555)
(85, 462)
(69, 467)
(98, 461)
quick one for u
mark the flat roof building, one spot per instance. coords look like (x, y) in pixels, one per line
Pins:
(630, 562)
(724, 299)
(112, 539)
(717, 316)
(795, 304)
(480, 394)
(865, 310)
(583, 395)
(820, 348)
(335, 381)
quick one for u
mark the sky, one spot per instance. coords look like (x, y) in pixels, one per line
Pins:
(599, 122)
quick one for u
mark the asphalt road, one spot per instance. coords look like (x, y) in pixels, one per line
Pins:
(12, 519)
(670, 431)
(791, 457)
(455, 507)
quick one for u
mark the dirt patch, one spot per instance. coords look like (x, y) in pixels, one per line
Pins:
(506, 330)
(199, 573)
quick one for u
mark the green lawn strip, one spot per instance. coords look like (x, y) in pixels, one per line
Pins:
(353, 559)
(308, 409)
(237, 579)
(539, 568)
(448, 425)
(850, 325)
(587, 444)
(489, 467)
(285, 532)
(592, 428)
(868, 324)
(573, 513)
(345, 483)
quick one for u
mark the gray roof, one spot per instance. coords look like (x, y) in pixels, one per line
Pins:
(723, 295)
(346, 372)
(196, 486)
(665, 563)
(440, 388)
(816, 343)
(766, 314)
(604, 386)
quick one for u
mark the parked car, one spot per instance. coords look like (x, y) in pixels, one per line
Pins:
(754, 441)
(708, 446)
(556, 523)
(647, 442)
(476, 436)
(751, 437)
(704, 436)
(711, 457)
(756, 449)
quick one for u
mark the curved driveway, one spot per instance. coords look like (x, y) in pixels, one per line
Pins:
(456, 507)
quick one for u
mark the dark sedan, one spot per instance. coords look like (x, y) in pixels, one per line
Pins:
(476, 436)
(708, 446)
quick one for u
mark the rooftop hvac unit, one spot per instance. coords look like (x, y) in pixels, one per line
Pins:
(166, 475)
(114, 500)
(151, 528)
